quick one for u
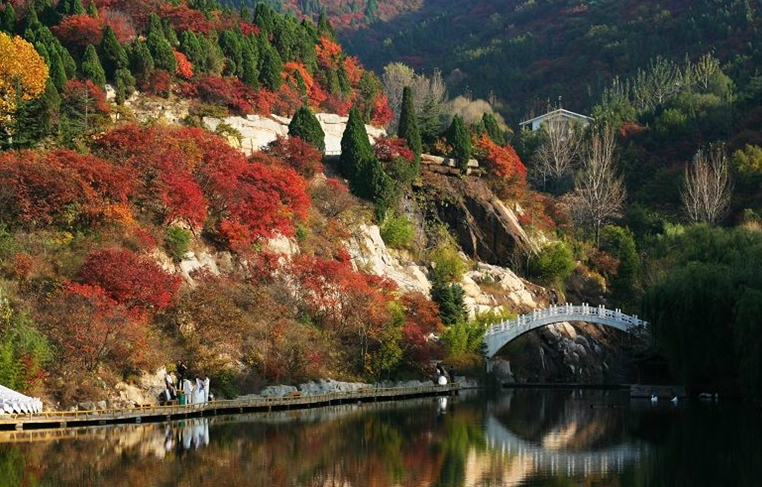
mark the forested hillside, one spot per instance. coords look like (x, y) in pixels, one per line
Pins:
(343, 15)
(106, 214)
(127, 242)
(525, 52)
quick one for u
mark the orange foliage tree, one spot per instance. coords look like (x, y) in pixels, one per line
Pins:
(184, 67)
(23, 74)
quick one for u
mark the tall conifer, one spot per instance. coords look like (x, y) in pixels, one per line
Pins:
(307, 127)
(493, 129)
(272, 67)
(460, 140)
(92, 68)
(112, 54)
(408, 126)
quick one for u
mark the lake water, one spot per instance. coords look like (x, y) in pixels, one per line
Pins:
(522, 437)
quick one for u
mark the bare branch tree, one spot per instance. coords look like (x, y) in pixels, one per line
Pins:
(707, 187)
(429, 94)
(599, 192)
(559, 148)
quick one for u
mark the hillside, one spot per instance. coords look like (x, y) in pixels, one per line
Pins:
(528, 53)
(134, 235)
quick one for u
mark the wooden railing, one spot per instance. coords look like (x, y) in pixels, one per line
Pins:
(59, 419)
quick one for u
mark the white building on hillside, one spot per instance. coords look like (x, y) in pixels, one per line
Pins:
(558, 114)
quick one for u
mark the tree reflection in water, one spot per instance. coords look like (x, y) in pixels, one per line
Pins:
(462, 441)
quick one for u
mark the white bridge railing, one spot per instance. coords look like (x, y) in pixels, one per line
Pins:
(498, 335)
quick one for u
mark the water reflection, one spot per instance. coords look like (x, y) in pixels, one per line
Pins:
(521, 437)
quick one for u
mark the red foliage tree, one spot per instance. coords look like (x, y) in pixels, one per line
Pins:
(381, 114)
(185, 18)
(124, 29)
(329, 53)
(78, 94)
(90, 329)
(158, 83)
(504, 164)
(229, 92)
(389, 148)
(195, 174)
(264, 203)
(162, 162)
(421, 321)
(184, 67)
(63, 187)
(130, 279)
(297, 154)
(352, 306)
(77, 31)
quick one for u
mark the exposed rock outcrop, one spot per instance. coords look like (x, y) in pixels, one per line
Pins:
(486, 229)
(257, 131)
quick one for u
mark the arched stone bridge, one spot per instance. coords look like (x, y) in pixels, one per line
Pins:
(499, 335)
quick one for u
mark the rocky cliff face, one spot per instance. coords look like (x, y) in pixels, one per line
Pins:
(487, 230)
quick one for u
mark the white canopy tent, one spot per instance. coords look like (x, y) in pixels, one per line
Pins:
(12, 402)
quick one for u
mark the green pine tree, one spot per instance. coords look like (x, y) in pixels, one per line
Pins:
(324, 27)
(91, 66)
(112, 54)
(492, 127)
(306, 126)
(450, 299)
(460, 140)
(141, 61)
(359, 165)
(92, 9)
(161, 51)
(36, 119)
(190, 46)
(57, 72)
(408, 126)
(270, 76)
(77, 8)
(250, 75)
(124, 85)
(8, 19)
(231, 43)
(355, 146)
(264, 17)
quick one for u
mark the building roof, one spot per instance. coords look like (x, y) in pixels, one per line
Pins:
(555, 113)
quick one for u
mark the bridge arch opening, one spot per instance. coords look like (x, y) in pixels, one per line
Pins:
(499, 335)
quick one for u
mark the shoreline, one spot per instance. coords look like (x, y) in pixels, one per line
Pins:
(66, 419)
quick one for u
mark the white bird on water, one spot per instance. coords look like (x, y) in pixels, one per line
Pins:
(654, 398)
(674, 400)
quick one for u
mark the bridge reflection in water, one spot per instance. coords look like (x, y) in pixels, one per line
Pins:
(576, 443)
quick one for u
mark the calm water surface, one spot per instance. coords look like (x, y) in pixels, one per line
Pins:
(525, 437)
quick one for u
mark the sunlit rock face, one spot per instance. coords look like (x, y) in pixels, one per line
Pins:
(257, 131)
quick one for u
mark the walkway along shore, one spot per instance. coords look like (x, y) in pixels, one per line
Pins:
(65, 419)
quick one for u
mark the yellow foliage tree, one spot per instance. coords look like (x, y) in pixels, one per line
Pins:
(23, 74)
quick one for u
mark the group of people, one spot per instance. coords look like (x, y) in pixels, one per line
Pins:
(185, 390)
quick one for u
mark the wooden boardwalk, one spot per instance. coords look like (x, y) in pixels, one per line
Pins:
(66, 419)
